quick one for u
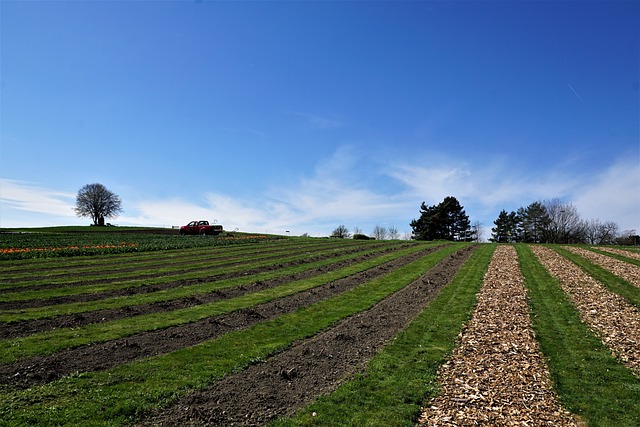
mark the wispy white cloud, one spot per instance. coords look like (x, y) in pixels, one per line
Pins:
(32, 197)
(483, 187)
(612, 195)
(346, 189)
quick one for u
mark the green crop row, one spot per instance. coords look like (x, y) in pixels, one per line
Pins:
(206, 286)
(58, 339)
(14, 246)
(116, 277)
(121, 394)
(51, 267)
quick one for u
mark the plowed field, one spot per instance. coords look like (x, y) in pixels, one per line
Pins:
(309, 332)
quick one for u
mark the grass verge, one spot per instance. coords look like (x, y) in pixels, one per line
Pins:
(397, 381)
(589, 381)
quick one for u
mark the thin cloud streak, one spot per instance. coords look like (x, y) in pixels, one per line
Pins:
(576, 93)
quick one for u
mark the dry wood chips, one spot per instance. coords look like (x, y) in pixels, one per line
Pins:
(628, 254)
(496, 375)
(624, 270)
(615, 320)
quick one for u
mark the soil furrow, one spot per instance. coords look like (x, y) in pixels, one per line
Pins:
(96, 262)
(497, 375)
(615, 320)
(145, 289)
(28, 327)
(78, 283)
(295, 377)
(128, 266)
(42, 369)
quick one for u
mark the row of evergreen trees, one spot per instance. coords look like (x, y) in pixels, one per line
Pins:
(551, 221)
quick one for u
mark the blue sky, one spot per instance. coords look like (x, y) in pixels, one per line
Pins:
(302, 116)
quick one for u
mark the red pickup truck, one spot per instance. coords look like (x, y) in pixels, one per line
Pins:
(202, 228)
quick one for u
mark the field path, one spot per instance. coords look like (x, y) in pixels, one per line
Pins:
(497, 375)
(624, 270)
(297, 376)
(614, 319)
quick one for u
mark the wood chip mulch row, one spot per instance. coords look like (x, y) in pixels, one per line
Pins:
(624, 270)
(615, 320)
(628, 254)
(497, 375)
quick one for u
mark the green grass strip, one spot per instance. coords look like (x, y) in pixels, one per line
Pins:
(617, 256)
(57, 267)
(589, 381)
(118, 396)
(104, 262)
(165, 275)
(59, 339)
(614, 283)
(9, 316)
(17, 266)
(169, 270)
(399, 379)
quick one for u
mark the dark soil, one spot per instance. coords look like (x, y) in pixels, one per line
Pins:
(124, 266)
(42, 369)
(296, 377)
(274, 255)
(28, 327)
(94, 296)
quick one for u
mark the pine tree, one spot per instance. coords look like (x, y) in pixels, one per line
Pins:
(445, 221)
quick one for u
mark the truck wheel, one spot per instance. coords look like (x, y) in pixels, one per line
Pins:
(203, 232)
(182, 233)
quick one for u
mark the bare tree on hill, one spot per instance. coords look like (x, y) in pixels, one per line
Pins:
(97, 202)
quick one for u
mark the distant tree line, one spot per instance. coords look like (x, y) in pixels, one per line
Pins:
(549, 221)
(379, 232)
(555, 221)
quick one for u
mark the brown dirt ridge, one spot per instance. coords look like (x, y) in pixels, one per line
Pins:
(93, 296)
(42, 369)
(293, 378)
(27, 327)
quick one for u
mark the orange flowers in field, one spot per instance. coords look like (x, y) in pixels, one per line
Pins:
(106, 246)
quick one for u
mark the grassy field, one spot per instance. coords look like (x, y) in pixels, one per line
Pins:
(112, 326)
